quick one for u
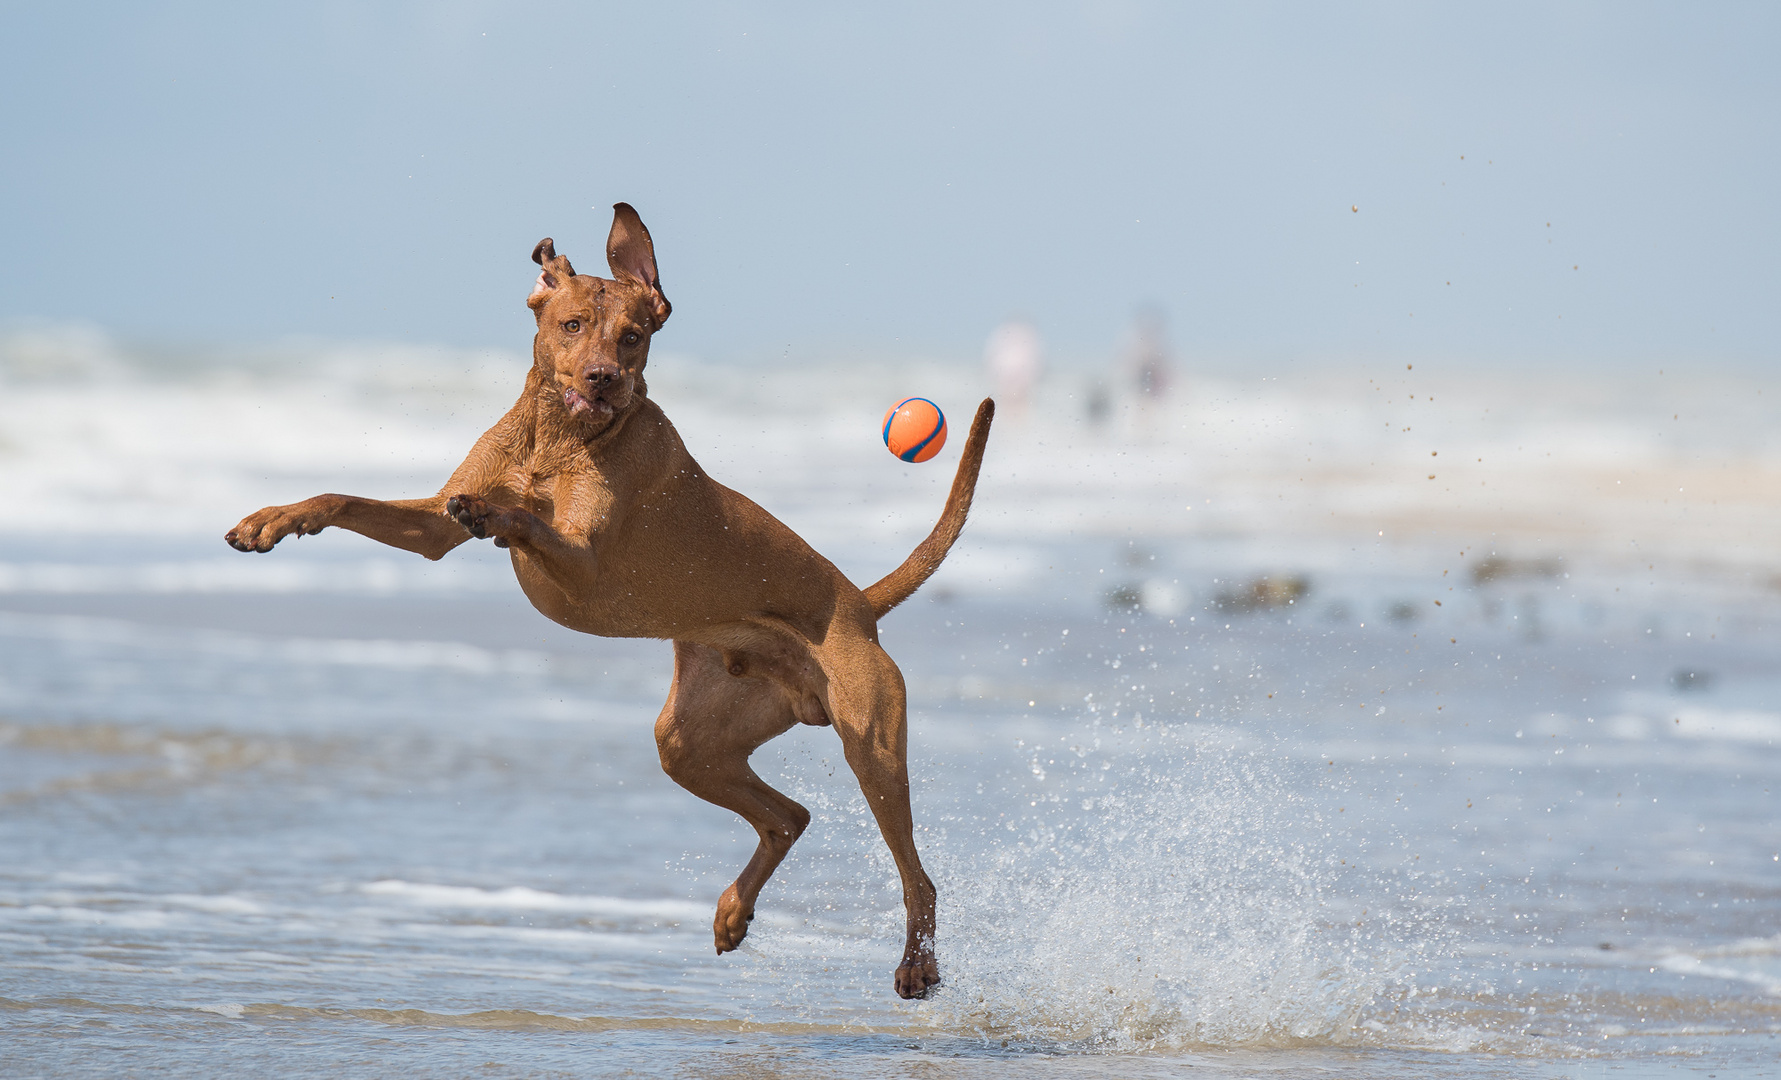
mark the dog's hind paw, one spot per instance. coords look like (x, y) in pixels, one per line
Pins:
(917, 977)
(731, 924)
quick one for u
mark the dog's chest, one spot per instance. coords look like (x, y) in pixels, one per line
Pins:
(536, 486)
(572, 495)
(543, 478)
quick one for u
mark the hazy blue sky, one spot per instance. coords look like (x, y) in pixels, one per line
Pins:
(829, 178)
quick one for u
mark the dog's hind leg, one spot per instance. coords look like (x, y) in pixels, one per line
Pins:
(711, 724)
(868, 704)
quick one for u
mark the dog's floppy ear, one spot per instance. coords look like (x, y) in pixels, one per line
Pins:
(556, 268)
(632, 256)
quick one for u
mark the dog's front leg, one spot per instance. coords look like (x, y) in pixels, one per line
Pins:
(410, 524)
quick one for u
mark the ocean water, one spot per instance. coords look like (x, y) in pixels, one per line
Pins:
(1345, 719)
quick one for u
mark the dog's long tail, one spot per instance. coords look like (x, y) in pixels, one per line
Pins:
(900, 584)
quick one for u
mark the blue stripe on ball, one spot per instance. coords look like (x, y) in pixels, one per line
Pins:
(891, 417)
(913, 452)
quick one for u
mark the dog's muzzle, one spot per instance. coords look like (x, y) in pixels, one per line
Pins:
(594, 398)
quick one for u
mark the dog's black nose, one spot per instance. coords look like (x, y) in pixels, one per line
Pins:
(599, 378)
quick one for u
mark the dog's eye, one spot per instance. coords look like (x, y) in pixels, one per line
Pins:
(573, 326)
(632, 338)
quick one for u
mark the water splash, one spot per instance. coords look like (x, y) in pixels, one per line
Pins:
(1166, 887)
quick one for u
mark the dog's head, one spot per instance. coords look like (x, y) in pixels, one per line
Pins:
(593, 332)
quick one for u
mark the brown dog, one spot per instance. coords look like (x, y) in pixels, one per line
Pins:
(615, 530)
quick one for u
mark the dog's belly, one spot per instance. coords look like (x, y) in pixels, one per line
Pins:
(603, 611)
(763, 647)
(619, 604)
(771, 653)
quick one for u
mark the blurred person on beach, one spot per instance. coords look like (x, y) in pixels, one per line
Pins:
(1097, 400)
(1148, 367)
(1014, 358)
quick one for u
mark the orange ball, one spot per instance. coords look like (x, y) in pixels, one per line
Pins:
(915, 429)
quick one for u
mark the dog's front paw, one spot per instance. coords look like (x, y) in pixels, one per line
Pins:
(474, 514)
(470, 512)
(731, 924)
(917, 976)
(262, 529)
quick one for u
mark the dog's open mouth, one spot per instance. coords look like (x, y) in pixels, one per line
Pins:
(582, 408)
